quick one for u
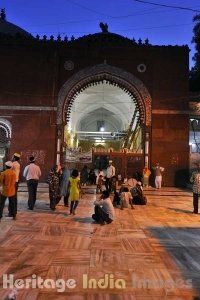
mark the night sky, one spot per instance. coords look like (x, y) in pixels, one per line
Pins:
(161, 23)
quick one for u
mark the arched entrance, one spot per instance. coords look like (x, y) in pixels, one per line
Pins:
(127, 117)
(5, 136)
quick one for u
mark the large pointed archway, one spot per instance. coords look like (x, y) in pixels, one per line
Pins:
(101, 74)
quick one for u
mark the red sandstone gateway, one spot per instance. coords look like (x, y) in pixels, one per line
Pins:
(102, 91)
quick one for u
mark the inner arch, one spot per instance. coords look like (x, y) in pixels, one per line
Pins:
(104, 102)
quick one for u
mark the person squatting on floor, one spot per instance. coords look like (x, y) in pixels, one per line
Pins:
(195, 180)
(138, 195)
(103, 209)
(126, 199)
(8, 182)
(74, 188)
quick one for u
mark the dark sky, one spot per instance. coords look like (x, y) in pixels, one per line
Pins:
(167, 22)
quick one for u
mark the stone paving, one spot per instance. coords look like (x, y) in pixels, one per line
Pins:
(151, 252)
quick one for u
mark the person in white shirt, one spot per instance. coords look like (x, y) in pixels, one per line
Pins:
(32, 174)
(158, 175)
(104, 210)
(110, 173)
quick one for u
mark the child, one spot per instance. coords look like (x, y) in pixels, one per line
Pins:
(99, 184)
(126, 198)
(74, 188)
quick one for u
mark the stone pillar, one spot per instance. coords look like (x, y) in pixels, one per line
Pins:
(59, 145)
(146, 149)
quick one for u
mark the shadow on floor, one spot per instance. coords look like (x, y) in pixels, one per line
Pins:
(180, 210)
(83, 220)
(183, 245)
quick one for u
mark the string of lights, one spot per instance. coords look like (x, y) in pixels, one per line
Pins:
(166, 5)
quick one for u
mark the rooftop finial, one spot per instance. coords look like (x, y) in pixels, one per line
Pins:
(103, 26)
(3, 14)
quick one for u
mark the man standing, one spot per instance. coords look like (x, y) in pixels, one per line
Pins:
(32, 174)
(8, 181)
(158, 175)
(16, 169)
(195, 180)
(110, 173)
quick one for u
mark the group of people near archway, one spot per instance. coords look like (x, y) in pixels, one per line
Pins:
(67, 184)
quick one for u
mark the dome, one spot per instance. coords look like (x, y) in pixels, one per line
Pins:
(105, 37)
(7, 28)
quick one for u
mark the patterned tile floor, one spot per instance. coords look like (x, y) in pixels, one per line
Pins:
(151, 252)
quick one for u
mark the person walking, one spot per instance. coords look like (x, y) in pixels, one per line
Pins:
(74, 188)
(195, 180)
(158, 175)
(64, 183)
(32, 174)
(8, 182)
(110, 173)
(103, 209)
(53, 180)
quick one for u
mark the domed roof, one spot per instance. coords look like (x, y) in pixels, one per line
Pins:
(105, 37)
(8, 28)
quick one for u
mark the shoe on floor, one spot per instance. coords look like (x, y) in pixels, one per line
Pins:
(109, 222)
(103, 223)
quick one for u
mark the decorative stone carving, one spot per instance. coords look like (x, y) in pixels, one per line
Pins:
(122, 78)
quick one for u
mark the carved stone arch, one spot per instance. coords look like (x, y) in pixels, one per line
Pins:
(98, 73)
(7, 127)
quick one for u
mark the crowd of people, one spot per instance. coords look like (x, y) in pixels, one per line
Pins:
(67, 184)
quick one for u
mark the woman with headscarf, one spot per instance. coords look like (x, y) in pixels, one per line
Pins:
(53, 180)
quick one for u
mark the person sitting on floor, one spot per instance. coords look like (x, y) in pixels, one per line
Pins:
(116, 199)
(126, 199)
(138, 196)
(103, 209)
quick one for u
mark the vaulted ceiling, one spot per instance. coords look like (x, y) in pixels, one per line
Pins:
(104, 103)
